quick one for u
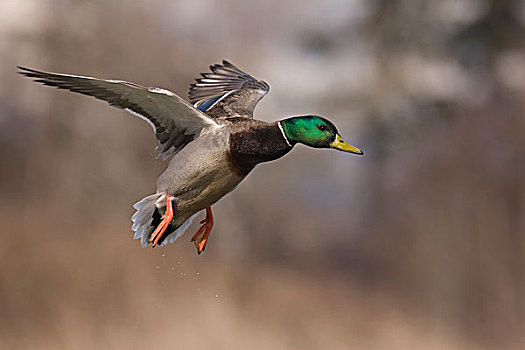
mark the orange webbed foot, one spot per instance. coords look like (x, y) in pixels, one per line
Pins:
(166, 219)
(201, 237)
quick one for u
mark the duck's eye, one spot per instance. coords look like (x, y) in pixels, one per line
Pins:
(322, 127)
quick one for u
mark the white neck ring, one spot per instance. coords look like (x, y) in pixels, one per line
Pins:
(284, 135)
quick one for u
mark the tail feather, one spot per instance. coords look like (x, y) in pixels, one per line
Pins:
(143, 218)
(147, 217)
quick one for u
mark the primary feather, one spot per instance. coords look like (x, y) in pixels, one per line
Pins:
(227, 92)
(174, 121)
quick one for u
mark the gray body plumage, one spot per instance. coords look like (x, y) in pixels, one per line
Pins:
(196, 177)
(199, 175)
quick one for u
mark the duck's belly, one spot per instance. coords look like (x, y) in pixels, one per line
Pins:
(199, 175)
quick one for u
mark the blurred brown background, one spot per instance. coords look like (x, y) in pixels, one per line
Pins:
(420, 244)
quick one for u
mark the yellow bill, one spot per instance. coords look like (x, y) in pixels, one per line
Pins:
(341, 145)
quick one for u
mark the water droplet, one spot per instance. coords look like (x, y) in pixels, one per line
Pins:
(158, 267)
(216, 295)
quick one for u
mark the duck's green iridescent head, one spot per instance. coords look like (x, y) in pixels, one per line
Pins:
(315, 131)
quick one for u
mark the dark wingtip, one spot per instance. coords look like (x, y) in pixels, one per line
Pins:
(27, 70)
(23, 70)
(30, 73)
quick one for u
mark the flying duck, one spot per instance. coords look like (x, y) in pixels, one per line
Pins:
(213, 142)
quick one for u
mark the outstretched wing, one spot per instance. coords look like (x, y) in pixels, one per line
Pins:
(174, 121)
(227, 91)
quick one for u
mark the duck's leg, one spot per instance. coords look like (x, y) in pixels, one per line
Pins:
(166, 219)
(201, 237)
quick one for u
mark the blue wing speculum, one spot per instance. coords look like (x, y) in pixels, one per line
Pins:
(207, 104)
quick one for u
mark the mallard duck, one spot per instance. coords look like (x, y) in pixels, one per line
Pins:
(213, 142)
